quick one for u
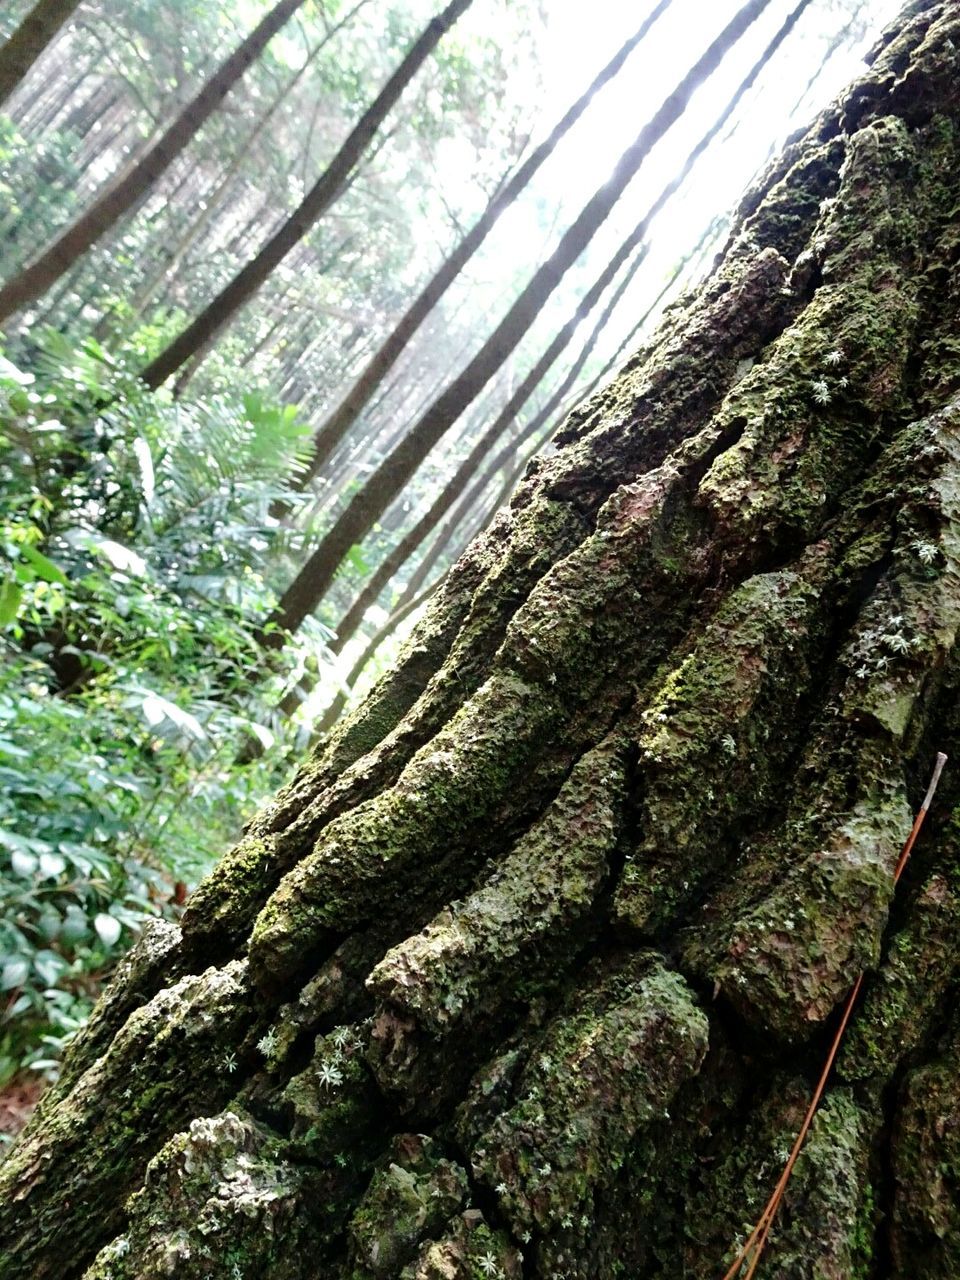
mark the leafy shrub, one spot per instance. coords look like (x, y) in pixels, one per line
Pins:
(137, 546)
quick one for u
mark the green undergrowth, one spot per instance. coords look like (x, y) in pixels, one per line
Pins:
(133, 577)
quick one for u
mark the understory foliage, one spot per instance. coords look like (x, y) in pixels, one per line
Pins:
(125, 690)
(528, 971)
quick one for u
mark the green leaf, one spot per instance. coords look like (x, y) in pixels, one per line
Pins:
(14, 974)
(45, 569)
(24, 864)
(108, 929)
(11, 594)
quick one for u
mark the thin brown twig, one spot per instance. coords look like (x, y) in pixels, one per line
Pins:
(753, 1246)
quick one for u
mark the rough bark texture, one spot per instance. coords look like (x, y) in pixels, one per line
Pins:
(527, 972)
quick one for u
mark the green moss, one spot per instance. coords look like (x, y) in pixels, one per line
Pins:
(332, 1106)
(219, 1201)
(171, 1060)
(469, 1250)
(534, 898)
(925, 1232)
(413, 1193)
(792, 957)
(713, 736)
(600, 1071)
(903, 999)
(223, 904)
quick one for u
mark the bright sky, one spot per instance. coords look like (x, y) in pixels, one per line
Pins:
(777, 104)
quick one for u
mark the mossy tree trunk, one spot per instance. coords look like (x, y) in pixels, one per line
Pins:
(529, 971)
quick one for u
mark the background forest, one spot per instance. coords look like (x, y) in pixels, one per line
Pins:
(251, 413)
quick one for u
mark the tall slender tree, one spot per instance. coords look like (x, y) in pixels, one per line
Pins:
(454, 489)
(172, 256)
(203, 330)
(310, 585)
(335, 427)
(25, 45)
(123, 195)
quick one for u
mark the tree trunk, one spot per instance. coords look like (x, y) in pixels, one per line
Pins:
(368, 504)
(339, 422)
(335, 709)
(315, 203)
(122, 196)
(529, 972)
(34, 34)
(455, 488)
(210, 204)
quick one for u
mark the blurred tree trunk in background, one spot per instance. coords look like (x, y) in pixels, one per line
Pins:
(338, 423)
(209, 205)
(455, 488)
(125, 194)
(203, 330)
(25, 45)
(528, 971)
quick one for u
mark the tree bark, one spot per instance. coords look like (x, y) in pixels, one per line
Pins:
(528, 973)
(106, 211)
(34, 34)
(315, 203)
(339, 422)
(358, 517)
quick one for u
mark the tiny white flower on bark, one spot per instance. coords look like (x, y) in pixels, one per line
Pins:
(267, 1043)
(329, 1075)
(926, 552)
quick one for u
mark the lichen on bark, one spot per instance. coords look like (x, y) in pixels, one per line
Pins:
(530, 968)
